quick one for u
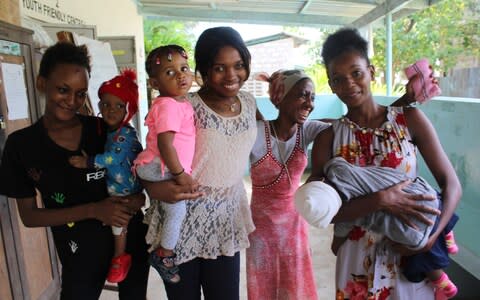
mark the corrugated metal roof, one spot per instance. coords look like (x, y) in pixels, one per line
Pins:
(356, 13)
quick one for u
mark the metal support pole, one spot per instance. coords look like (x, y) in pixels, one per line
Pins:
(389, 54)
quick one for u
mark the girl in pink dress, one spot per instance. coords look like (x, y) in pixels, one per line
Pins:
(279, 263)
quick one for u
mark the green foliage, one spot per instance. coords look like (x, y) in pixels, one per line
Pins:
(378, 88)
(444, 33)
(318, 74)
(315, 49)
(159, 33)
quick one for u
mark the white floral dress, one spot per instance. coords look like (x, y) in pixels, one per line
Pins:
(367, 268)
(219, 222)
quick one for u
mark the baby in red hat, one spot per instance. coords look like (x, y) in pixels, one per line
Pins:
(118, 104)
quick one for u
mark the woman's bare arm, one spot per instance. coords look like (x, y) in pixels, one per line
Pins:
(409, 96)
(425, 138)
(321, 153)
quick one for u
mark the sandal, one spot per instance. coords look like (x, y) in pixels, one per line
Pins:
(165, 266)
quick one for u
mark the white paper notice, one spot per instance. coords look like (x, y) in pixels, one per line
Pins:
(103, 65)
(15, 91)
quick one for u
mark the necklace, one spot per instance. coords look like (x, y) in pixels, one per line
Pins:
(281, 152)
(233, 107)
(221, 107)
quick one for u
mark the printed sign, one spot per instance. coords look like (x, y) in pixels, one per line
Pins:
(46, 12)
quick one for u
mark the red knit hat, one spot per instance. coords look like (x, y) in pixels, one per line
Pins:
(124, 87)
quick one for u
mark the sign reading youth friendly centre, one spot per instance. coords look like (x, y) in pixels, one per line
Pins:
(39, 10)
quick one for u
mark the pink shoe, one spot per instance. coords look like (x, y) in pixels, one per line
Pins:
(119, 268)
(424, 85)
(445, 286)
(452, 247)
(439, 295)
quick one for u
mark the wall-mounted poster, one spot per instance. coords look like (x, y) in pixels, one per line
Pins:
(15, 90)
(103, 65)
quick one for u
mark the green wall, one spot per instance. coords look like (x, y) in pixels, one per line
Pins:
(457, 122)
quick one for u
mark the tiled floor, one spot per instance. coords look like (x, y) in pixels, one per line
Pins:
(323, 264)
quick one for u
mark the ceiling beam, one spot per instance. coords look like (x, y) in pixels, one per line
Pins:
(403, 13)
(378, 12)
(369, 2)
(305, 6)
(243, 17)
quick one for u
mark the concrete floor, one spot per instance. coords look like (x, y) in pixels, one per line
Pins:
(323, 264)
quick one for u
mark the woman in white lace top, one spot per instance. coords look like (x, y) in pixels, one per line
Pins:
(217, 224)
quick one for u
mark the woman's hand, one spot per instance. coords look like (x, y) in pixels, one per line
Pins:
(113, 211)
(187, 180)
(169, 191)
(78, 161)
(133, 202)
(404, 206)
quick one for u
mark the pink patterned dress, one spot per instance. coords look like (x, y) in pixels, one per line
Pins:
(279, 264)
(367, 268)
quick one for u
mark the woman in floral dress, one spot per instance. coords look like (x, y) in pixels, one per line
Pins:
(368, 265)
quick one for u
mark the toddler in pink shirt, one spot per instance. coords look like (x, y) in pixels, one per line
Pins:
(170, 146)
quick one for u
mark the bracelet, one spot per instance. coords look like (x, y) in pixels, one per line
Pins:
(179, 173)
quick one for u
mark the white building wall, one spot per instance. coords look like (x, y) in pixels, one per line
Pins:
(111, 18)
(272, 56)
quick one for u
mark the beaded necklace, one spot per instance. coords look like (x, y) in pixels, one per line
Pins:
(281, 153)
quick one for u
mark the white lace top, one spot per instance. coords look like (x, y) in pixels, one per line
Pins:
(219, 222)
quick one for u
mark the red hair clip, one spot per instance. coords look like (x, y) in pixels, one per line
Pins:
(184, 54)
